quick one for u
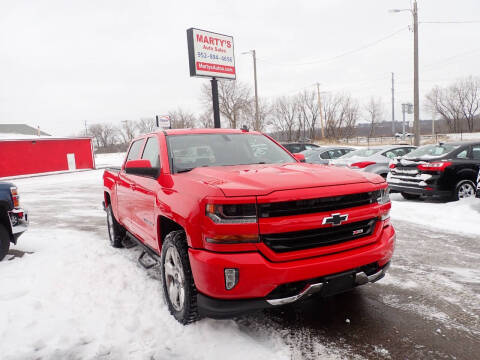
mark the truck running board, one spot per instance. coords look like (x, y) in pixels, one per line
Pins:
(146, 260)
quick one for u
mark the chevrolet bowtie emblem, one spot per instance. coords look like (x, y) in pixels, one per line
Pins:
(335, 219)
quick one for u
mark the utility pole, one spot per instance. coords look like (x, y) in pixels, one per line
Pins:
(416, 100)
(393, 104)
(320, 110)
(86, 131)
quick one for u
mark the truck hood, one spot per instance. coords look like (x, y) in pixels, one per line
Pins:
(258, 180)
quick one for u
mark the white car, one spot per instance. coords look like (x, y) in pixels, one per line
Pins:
(408, 135)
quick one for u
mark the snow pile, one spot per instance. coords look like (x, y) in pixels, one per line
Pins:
(458, 216)
(111, 159)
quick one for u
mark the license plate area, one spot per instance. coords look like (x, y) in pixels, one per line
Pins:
(336, 284)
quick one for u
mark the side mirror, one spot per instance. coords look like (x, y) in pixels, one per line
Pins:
(141, 167)
(299, 157)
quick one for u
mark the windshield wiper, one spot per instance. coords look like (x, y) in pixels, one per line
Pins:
(178, 171)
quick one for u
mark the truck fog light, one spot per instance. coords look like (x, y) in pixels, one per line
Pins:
(231, 278)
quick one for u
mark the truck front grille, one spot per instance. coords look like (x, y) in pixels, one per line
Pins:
(308, 239)
(310, 206)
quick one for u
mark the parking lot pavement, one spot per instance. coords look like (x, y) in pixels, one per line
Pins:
(427, 307)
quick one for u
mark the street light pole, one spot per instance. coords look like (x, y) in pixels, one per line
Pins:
(257, 115)
(416, 100)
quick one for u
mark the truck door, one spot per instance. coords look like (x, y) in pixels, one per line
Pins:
(145, 190)
(125, 185)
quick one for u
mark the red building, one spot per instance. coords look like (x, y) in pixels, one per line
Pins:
(40, 155)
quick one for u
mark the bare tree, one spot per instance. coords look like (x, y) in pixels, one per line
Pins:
(341, 113)
(468, 92)
(264, 114)
(105, 135)
(146, 125)
(374, 111)
(181, 119)
(128, 131)
(234, 99)
(205, 120)
(457, 103)
(285, 111)
(308, 107)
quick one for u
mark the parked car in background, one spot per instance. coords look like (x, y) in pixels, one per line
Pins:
(13, 219)
(446, 170)
(407, 135)
(373, 159)
(323, 155)
(298, 147)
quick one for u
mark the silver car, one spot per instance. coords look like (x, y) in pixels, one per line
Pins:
(324, 154)
(374, 159)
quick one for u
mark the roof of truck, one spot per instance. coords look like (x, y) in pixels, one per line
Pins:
(205, 131)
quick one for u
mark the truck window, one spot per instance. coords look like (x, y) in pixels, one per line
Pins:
(151, 152)
(134, 152)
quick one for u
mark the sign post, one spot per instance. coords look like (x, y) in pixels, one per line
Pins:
(211, 55)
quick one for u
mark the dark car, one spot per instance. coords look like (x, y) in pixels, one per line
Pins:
(298, 147)
(322, 155)
(13, 219)
(446, 170)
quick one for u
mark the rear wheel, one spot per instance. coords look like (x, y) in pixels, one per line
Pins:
(408, 196)
(179, 289)
(116, 232)
(4, 241)
(464, 189)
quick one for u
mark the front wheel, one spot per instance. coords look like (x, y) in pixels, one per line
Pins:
(115, 231)
(464, 189)
(4, 241)
(179, 289)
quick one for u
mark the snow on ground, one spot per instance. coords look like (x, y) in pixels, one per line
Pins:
(457, 216)
(75, 297)
(110, 159)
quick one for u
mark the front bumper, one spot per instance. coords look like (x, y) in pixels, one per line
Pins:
(322, 287)
(422, 191)
(19, 222)
(260, 279)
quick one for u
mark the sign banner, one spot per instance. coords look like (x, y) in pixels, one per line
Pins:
(210, 54)
(163, 121)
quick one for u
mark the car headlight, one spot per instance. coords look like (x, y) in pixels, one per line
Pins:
(383, 196)
(232, 213)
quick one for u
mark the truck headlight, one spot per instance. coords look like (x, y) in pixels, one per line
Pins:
(232, 213)
(383, 196)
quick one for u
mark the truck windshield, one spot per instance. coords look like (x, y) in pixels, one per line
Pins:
(198, 150)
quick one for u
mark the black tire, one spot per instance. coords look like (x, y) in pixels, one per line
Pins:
(4, 242)
(464, 189)
(408, 196)
(178, 277)
(116, 232)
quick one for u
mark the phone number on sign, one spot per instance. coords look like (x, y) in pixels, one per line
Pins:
(204, 55)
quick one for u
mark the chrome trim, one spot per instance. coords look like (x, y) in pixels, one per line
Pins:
(361, 278)
(22, 224)
(309, 290)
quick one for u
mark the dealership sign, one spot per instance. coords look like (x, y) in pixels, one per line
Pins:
(210, 54)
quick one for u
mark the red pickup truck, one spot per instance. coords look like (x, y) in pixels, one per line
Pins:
(238, 223)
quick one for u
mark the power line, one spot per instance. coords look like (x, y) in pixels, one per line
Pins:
(373, 43)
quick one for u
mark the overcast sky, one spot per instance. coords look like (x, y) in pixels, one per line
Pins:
(63, 62)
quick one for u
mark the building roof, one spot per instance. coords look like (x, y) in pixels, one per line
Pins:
(20, 129)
